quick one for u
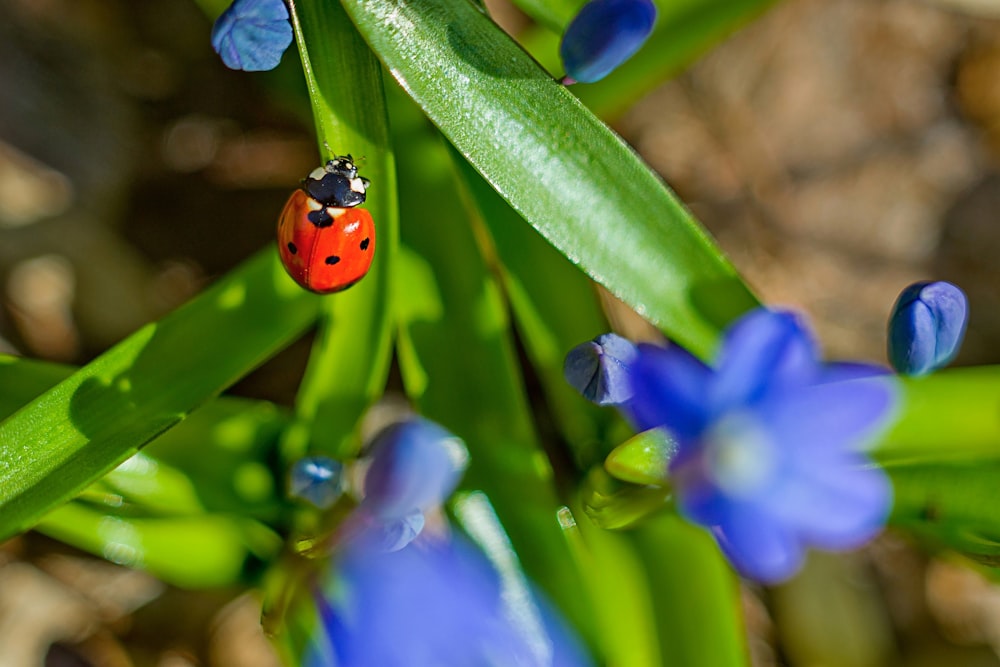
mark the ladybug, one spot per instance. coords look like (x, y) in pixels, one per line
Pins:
(325, 243)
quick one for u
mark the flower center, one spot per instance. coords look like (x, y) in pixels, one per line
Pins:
(739, 456)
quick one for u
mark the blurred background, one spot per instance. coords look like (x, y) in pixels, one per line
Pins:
(837, 149)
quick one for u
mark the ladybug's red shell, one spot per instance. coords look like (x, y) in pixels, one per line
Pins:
(325, 248)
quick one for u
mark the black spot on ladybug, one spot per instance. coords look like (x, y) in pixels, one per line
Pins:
(320, 218)
(364, 244)
(291, 248)
(332, 259)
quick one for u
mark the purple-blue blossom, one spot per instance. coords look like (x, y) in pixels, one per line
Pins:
(597, 369)
(416, 464)
(603, 35)
(769, 442)
(252, 35)
(433, 603)
(316, 479)
(926, 327)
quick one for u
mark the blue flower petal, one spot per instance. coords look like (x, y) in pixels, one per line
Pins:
(926, 327)
(842, 371)
(380, 535)
(252, 35)
(431, 604)
(832, 417)
(598, 369)
(603, 35)
(764, 350)
(842, 508)
(669, 386)
(759, 547)
(416, 465)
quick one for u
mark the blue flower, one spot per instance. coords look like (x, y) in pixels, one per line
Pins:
(416, 464)
(316, 479)
(597, 369)
(434, 603)
(769, 442)
(252, 35)
(603, 35)
(926, 327)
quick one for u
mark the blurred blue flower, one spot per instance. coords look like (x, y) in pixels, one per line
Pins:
(252, 35)
(926, 327)
(433, 604)
(316, 479)
(416, 464)
(769, 442)
(597, 369)
(603, 35)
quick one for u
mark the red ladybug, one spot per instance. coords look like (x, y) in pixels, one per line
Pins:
(325, 243)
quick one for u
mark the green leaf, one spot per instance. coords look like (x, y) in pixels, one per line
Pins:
(350, 359)
(223, 449)
(555, 15)
(211, 461)
(952, 504)
(695, 594)
(943, 455)
(618, 587)
(577, 183)
(458, 363)
(681, 563)
(951, 414)
(86, 425)
(555, 308)
(207, 550)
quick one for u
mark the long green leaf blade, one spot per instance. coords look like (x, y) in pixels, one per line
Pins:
(459, 368)
(350, 360)
(952, 504)
(951, 414)
(200, 551)
(555, 307)
(220, 448)
(83, 427)
(574, 180)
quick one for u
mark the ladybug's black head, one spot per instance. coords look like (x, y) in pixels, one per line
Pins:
(343, 165)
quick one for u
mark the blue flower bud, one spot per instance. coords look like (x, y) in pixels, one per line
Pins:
(317, 479)
(598, 369)
(252, 35)
(926, 327)
(416, 465)
(603, 35)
